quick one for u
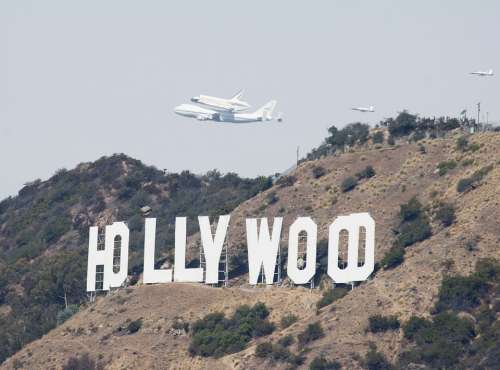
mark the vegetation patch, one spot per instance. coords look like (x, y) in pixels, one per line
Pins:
(379, 323)
(288, 320)
(444, 167)
(215, 335)
(331, 295)
(278, 353)
(452, 340)
(322, 363)
(348, 184)
(312, 332)
(471, 182)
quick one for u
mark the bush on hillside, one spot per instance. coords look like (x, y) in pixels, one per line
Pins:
(288, 320)
(445, 214)
(215, 335)
(277, 352)
(375, 360)
(82, 362)
(348, 184)
(366, 173)
(322, 363)
(331, 295)
(394, 257)
(312, 332)
(462, 143)
(378, 137)
(444, 167)
(318, 172)
(470, 182)
(379, 323)
(65, 314)
(134, 326)
(285, 181)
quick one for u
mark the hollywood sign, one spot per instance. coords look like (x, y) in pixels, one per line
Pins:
(262, 246)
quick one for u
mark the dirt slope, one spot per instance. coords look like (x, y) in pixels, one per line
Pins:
(401, 173)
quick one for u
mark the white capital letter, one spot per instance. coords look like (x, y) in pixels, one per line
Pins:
(152, 275)
(352, 224)
(181, 273)
(262, 249)
(212, 247)
(302, 276)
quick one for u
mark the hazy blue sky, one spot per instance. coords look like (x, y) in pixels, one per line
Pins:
(82, 79)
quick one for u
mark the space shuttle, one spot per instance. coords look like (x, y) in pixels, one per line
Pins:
(234, 104)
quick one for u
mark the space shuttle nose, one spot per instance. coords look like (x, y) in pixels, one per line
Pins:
(195, 99)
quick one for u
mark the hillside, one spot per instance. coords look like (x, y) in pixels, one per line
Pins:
(439, 171)
(44, 231)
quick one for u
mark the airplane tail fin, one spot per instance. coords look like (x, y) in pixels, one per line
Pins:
(266, 112)
(372, 109)
(490, 72)
(238, 96)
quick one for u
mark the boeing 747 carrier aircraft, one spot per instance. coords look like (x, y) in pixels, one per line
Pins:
(204, 114)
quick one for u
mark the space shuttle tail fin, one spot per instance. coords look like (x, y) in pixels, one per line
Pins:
(238, 96)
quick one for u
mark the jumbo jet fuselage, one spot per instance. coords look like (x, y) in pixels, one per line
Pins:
(364, 109)
(483, 73)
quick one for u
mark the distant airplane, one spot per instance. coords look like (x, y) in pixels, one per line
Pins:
(204, 114)
(233, 104)
(364, 109)
(482, 73)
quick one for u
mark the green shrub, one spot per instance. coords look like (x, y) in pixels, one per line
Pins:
(411, 210)
(465, 184)
(376, 361)
(439, 342)
(312, 332)
(134, 326)
(378, 137)
(414, 326)
(366, 173)
(65, 314)
(285, 181)
(414, 231)
(444, 167)
(348, 184)
(215, 335)
(462, 143)
(445, 214)
(470, 182)
(461, 292)
(277, 353)
(286, 341)
(264, 349)
(288, 320)
(318, 172)
(272, 198)
(83, 362)
(322, 363)
(379, 323)
(394, 257)
(331, 295)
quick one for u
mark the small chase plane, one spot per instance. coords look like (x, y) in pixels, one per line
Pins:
(234, 104)
(203, 114)
(364, 109)
(483, 73)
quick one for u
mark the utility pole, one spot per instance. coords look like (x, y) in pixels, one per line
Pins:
(478, 111)
(298, 156)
